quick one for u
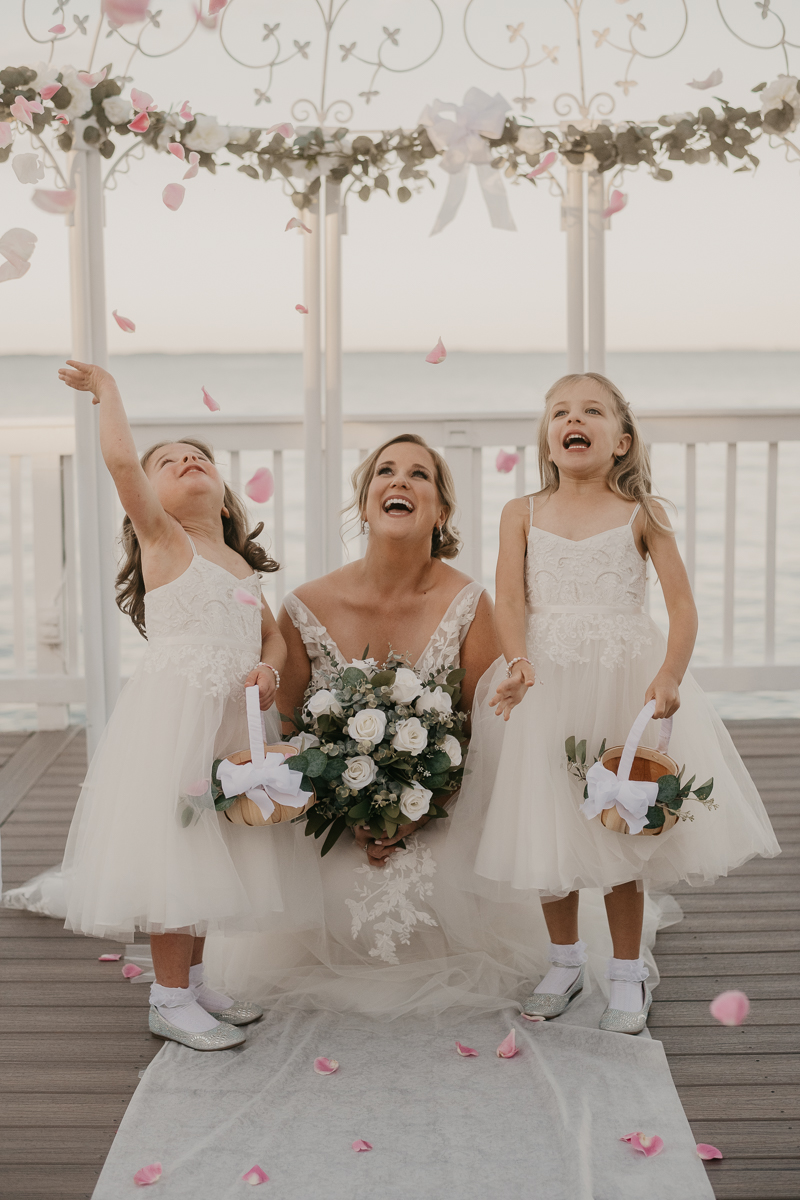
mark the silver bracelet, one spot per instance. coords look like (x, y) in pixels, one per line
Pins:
(277, 674)
(513, 663)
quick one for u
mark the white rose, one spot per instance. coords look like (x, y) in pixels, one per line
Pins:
(81, 94)
(238, 134)
(452, 748)
(172, 125)
(360, 772)
(783, 89)
(406, 686)
(207, 136)
(531, 141)
(45, 73)
(369, 725)
(415, 800)
(322, 703)
(304, 741)
(411, 736)
(367, 665)
(435, 701)
(118, 110)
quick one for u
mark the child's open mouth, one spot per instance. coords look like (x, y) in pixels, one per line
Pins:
(576, 441)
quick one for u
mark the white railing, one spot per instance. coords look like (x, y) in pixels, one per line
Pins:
(734, 474)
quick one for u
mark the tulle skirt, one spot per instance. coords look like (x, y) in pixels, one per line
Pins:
(520, 822)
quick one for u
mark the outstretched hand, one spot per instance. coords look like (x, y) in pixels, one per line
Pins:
(86, 377)
(511, 692)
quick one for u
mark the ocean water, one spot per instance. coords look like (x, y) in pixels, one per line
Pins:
(156, 384)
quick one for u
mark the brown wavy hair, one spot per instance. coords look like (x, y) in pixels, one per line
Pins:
(446, 542)
(130, 580)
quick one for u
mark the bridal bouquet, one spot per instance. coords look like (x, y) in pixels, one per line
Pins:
(377, 743)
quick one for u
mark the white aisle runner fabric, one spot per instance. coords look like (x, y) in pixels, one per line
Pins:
(542, 1126)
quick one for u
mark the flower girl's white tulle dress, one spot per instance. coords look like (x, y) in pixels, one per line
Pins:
(144, 853)
(595, 652)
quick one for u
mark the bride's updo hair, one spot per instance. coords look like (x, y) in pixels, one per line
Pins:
(444, 544)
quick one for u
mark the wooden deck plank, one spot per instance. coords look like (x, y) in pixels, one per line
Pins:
(750, 1139)
(138, 1047)
(706, 987)
(733, 1071)
(60, 1147)
(703, 1103)
(692, 1012)
(69, 1078)
(32, 760)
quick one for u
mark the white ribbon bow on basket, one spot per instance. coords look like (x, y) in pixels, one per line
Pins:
(266, 780)
(460, 139)
(632, 798)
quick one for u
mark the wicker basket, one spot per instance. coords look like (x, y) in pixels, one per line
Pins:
(245, 811)
(647, 767)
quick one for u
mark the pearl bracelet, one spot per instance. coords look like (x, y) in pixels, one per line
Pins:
(274, 672)
(513, 663)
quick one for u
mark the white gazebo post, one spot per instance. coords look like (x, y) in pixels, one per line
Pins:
(573, 224)
(596, 273)
(333, 372)
(95, 491)
(312, 411)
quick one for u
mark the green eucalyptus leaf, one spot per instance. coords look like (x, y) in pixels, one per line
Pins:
(383, 679)
(668, 788)
(456, 676)
(186, 817)
(569, 746)
(316, 762)
(655, 817)
(580, 750)
(353, 676)
(705, 790)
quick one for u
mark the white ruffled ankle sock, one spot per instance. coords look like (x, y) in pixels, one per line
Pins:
(627, 977)
(567, 961)
(180, 1008)
(205, 996)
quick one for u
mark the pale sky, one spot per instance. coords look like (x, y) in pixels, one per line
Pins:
(710, 260)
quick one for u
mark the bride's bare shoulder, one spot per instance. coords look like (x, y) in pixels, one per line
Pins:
(314, 593)
(450, 578)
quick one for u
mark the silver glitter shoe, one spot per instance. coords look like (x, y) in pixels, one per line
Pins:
(616, 1021)
(221, 1037)
(241, 1012)
(551, 1004)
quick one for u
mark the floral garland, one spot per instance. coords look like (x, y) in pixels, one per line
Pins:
(92, 109)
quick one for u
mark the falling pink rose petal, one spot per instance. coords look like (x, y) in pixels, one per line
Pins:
(713, 80)
(140, 124)
(130, 971)
(142, 101)
(198, 788)
(438, 353)
(57, 29)
(5, 134)
(22, 109)
(194, 160)
(61, 200)
(62, 118)
(301, 308)
(206, 21)
(49, 90)
(360, 1145)
(466, 1051)
(296, 224)
(177, 149)
(730, 1008)
(91, 81)
(707, 1152)
(649, 1146)
(16, 247)
(618, 200)
(326, 1066)
(209, 401)
(148, 1175)
(125, 324)
(109, 958)
(243, 597)
(543, 166)
(285, 130)
(173, 195)
(508, 1046)
(255, 1176)
(505, 462)
(125, 12)
(185, 113)
(261, 486)
(216, 6)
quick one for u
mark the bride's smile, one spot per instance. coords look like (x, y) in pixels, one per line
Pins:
(403, 493)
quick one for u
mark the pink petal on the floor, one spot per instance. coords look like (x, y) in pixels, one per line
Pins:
(255, 1176)
(194, 167)
(301, 308)
(49, 90)
(644, 1144)
(173, 195)
(130, 970)
(109, 958)
(125, 324)
(543, 166)
(286, 130)
(261, 486)
(730, 1008)
(466, 1051)
(59, 200)
(148, 1175)
(705, 1151)
(325, 1066)
(243, 597)
(186, 113)
(438, 353)
(92, 80)
(178, 149)
(505, 462)
(57, 29)
(536, 1017)
(209, 401)
(140, 124)
(360, 1145)
(508, 1046)
(198, 788)
(296, 224)
(617, 202)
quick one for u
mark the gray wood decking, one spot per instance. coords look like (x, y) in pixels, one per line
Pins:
(73, 1035)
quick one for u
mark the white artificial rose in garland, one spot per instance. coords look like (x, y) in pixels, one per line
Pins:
(369, 725)
(304, 741)
(411, 736)
(406, 687)
(207, 136)
(323, 703)
(361, 771)
(415, 800)
(435, 701)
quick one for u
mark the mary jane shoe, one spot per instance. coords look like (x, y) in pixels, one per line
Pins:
(552, 1004)
(221, 1037)
(241, 1012)
(614, 1020)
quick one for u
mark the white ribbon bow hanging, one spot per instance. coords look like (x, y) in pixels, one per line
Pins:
(266, 779)
(460, 139)
(631, 798)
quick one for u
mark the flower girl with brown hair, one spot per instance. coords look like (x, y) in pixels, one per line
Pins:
(582, 659)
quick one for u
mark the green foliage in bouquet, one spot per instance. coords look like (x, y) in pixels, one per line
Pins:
(377, 745)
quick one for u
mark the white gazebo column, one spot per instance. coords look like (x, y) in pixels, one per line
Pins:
(96, 501)
(333, 373)
(596, 273)
(312, 387)
(573, 225)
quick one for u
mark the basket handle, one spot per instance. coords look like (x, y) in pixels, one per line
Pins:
(255, 726)
(634, 737)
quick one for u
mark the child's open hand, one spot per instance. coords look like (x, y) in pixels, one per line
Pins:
(264, 677)
(666, 692)
(86, 377)
(511, 692)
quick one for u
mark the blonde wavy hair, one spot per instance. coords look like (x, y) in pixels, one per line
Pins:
(445, 541)
(631, 475)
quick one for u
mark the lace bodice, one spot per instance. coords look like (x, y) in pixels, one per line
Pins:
(442, 651)
(196, 628)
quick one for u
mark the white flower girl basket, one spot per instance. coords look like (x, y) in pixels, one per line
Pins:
(266, 791)
(633, 764)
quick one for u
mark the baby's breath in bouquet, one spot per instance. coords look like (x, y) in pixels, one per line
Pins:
(377, 743)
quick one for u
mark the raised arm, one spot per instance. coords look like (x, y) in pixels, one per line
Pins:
(135, 491)
(510, 607)
(677, 590)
